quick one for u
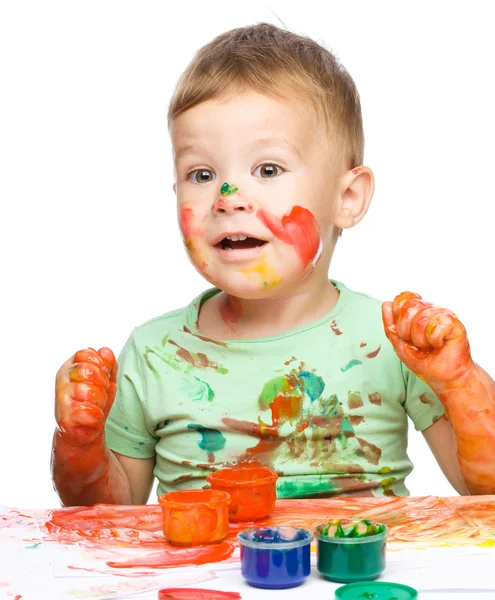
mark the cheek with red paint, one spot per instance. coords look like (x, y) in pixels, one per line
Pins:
(298, 229)
(192, 232)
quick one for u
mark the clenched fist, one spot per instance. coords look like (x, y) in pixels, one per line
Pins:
(429, 340)
(84, 393)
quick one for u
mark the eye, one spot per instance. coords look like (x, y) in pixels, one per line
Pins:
(201, 176)
(269, 170)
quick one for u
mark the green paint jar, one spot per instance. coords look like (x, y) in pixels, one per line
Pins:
(349, 559)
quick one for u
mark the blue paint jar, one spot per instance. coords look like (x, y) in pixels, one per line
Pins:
(275, 557)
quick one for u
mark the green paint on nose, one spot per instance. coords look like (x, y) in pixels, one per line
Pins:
(228, 190)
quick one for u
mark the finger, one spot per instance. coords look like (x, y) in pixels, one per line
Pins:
(89, 373)
(420, 323)
(87, 415)
(389, 321)
(108, 357)
(439, 327)
(458, 331)
(405, 316)
(401, 299)
(112, 388)
(87, 393)
(89, 355)
(391, 329)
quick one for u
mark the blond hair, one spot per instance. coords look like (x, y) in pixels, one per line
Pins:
(277, 63)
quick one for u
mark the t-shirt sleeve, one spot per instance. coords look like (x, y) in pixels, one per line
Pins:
(421, 404)
(127, 430)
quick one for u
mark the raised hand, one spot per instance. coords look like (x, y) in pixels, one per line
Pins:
(84, 393)
(429, 340)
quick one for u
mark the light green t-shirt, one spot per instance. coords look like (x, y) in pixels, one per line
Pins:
(325, 405)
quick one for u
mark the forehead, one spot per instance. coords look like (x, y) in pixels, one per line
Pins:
(249, 119)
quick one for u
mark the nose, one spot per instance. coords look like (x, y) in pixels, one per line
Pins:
(230, 201)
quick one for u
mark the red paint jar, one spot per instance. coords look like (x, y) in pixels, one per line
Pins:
(195, 517)
(252, 490)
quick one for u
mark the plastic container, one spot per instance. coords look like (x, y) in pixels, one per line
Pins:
(378, 590)
(275, 557)
(349, 559)
(252, 489)
(195, 517)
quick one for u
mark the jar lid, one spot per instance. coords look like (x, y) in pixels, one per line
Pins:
(375, 590)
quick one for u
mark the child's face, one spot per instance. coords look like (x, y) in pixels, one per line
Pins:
(255, 187)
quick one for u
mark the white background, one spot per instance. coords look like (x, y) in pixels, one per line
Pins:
(89, 242)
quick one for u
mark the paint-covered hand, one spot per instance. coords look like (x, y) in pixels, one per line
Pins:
(429, 340)
(84, 393)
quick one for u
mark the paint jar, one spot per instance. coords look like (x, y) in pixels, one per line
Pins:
(275, 557)
(252, 490)
(349, 559)
(195, 517)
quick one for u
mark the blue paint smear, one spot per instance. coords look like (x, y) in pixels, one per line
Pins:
(313, 384)
(350, 364)
(212, 440)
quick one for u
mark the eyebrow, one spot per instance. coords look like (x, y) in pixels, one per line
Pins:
(268, 142)
(273, 142)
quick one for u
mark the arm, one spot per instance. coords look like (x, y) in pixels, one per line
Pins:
(139, 472)
(84, 471)
(432, 343)
(441, 440)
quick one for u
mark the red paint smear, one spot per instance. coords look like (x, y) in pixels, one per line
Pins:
(374, 353)
(186, 221)
(335, 329)
(195, 594)
(228, 314)
(195, 359)
(363, 344)
(299, 229)
(105, 531)
(173, 556)
(203, 338)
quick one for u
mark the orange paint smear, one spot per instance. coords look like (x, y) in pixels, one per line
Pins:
(134, 533)
(195, 594)
(298, 229)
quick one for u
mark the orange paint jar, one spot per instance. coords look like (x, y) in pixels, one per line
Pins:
(252, 490)
(195, 517)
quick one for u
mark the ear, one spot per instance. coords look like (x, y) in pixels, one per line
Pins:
(356, 193)
(175, 188)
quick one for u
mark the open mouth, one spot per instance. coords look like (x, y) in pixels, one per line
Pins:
(240, 242)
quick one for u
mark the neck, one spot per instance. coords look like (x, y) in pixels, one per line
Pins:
(230, 317)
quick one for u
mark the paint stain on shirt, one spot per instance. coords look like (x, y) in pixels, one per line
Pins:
(352, 363)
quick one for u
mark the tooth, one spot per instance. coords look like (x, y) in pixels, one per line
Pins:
(241, 238)
(234, 238)
(227, 248)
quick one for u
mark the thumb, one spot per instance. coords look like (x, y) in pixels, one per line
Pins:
(389, 323)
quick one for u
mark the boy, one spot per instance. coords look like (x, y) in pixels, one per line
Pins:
(276, 364)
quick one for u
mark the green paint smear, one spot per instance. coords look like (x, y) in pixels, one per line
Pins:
(212, 440)
(228, 190)
(34, 546)
(301, 489)
(198, 390)
(279, 386)
(293, 385)
(350, 364)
